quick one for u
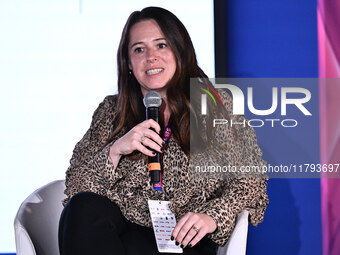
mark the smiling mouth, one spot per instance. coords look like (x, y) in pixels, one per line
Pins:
(154, 71)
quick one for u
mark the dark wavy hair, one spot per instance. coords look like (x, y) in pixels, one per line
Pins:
(131, 109)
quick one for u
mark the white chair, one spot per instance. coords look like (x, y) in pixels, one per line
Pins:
(237, 242)
(36, 224)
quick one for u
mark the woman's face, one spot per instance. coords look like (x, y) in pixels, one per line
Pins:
(150, 58)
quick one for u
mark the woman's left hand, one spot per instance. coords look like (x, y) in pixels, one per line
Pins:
(192, 227)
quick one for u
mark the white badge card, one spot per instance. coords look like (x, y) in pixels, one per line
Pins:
(163, 222)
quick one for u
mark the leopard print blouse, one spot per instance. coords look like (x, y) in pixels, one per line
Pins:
(128, 185)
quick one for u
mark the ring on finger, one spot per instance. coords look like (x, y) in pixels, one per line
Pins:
(142, 138)
(195, 228)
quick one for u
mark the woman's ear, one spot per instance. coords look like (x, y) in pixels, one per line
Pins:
(130, 68)
(129, 63)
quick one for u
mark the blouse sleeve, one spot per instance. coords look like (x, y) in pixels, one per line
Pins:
(243, 192)
(90, 166)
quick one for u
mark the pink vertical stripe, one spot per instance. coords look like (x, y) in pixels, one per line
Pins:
(329, 95)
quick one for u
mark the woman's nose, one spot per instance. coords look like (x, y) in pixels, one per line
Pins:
(151, 55)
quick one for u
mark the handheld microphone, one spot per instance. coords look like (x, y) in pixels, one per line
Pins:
(152, 101)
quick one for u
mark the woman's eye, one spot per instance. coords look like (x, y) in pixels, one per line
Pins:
(162, 45)
(138, 50)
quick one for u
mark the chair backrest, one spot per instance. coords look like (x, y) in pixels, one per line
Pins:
(37, 220)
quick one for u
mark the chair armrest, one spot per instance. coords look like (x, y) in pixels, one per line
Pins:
(237, 242)
(23, 242)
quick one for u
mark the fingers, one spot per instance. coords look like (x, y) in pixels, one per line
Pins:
(184, 232)
(180, 224)
(138, 145)
(143, 137)
(192, 227)
(195, 238)
(147, 134)
(151, 124)
(151, 139)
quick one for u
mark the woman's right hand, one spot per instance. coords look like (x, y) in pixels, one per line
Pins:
(137, 139)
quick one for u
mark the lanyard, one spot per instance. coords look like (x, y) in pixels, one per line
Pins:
(166, 137)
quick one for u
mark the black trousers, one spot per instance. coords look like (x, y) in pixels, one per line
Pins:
(93, 224)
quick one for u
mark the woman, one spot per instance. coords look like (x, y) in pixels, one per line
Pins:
(107, 184)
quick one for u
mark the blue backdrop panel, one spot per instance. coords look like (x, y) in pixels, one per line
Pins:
(267, 38)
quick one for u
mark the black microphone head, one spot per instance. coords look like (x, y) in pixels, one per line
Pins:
(152, 99)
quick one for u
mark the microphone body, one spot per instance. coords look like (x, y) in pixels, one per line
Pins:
(152, 101)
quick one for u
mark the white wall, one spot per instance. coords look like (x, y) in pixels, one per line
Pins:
(57, 63)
